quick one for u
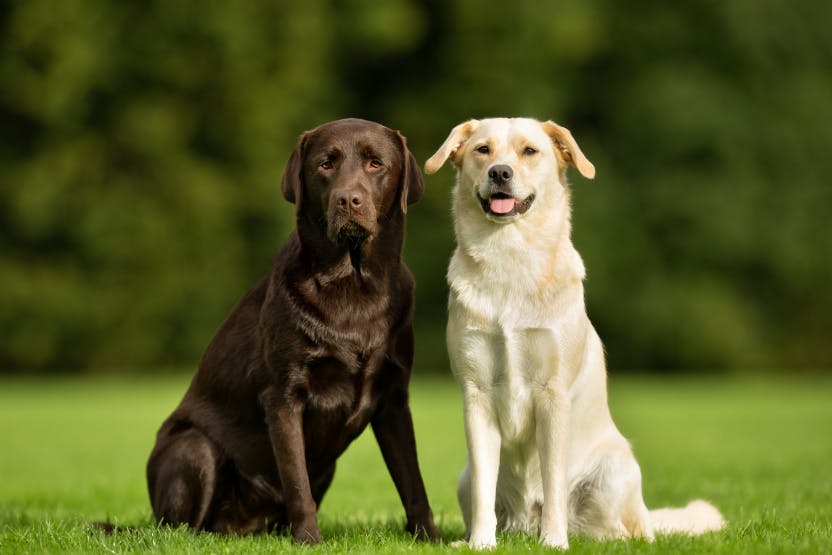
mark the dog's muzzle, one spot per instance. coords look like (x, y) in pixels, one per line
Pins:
(503, 205)
(351, 231)
(500, 203)
(351, 218)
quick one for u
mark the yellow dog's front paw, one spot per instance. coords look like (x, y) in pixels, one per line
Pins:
(480, 543)
(556, 541)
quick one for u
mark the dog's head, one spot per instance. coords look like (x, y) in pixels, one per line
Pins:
(508, 165)
(348, 176)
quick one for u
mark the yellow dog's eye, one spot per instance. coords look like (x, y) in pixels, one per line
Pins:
(326, 165)
(375, 163)
(529, 151)
(483, 149)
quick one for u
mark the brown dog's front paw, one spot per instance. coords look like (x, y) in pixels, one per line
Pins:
(307, 532)
(424, 531)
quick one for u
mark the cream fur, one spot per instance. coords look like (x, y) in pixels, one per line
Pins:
(544, 454)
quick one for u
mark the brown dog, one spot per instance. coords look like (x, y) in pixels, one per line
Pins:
(315, 351)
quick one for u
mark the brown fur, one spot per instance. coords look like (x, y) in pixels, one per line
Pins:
(315, 351)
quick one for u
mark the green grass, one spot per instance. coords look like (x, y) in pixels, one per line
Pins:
(73, 451)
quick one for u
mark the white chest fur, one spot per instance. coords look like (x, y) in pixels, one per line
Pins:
(514, 321)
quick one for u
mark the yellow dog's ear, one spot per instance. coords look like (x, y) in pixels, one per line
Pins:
(567, 148)
(292, 182)
(459, 135)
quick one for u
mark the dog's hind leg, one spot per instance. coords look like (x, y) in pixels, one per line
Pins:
(182, 475)
(608, 502)
(624, 485)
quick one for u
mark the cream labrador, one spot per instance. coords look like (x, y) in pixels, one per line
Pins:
(543, 452)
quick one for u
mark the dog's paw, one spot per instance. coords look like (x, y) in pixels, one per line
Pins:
(480, 543)
(555, 541)
(424, 532)
(307, 533)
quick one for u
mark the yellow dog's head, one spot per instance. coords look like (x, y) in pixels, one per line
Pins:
(507, 166)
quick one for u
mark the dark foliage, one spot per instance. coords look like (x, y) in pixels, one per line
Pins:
(143, 145)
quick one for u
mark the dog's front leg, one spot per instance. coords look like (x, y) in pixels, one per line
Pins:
(393, 427)
(284, 418)
(552, 407)
(483, 438)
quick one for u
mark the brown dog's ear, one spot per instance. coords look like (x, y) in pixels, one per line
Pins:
(292, 182)
(412, 184)
(449, 149)
(567, 148)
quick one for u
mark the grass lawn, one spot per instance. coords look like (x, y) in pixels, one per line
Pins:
(73, 451)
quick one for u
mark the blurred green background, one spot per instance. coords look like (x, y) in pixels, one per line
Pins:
(143, 143)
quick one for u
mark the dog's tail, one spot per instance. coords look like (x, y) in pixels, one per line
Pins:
(696, 518)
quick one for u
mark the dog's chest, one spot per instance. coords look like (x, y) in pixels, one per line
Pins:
(333, 384)
(511, 344)
(339, 375)
(342, 395)
(341, 317)
(514, 289)
(343, 332)
(512, 366)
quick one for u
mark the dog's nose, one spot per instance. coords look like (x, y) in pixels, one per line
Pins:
(350, 200)
(500, 174)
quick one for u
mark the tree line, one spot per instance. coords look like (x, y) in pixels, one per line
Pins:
(143, 145)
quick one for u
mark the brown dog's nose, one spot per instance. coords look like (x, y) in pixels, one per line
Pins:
(349, 200)
(500, 174)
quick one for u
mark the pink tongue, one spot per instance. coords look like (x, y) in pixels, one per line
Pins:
(502, 205)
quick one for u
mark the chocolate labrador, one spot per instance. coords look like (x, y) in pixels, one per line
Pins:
(315, 351)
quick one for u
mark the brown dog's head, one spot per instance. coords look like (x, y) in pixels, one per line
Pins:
(348, 175)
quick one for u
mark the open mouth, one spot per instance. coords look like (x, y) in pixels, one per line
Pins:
(504, 205)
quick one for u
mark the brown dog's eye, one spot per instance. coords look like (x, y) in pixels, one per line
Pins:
(375, 164)
(529, 151)
(483, 149)
(326, 165)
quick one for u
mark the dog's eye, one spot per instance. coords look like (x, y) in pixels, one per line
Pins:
(483, 149)
(326, 165)
(529, 151)
(375, 163)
